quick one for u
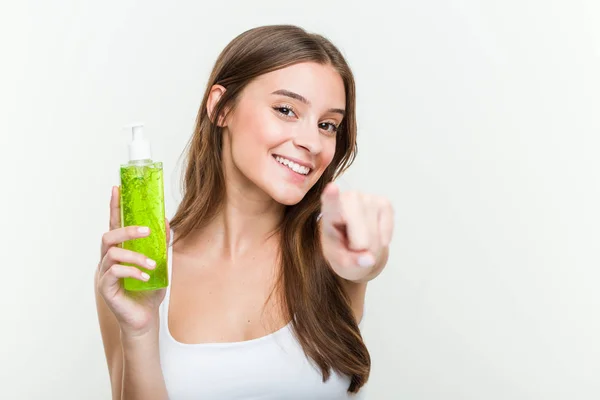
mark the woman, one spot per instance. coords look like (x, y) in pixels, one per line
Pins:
(269, 261)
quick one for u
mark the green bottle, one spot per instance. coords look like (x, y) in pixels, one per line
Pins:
(143, 204)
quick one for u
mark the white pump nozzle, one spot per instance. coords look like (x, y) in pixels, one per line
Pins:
(139, 148)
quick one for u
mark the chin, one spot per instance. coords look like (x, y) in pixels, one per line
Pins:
(288, 200)
(287, 196)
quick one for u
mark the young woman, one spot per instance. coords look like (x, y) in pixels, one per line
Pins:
(268, 261)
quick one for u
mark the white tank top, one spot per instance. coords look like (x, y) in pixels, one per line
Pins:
(271, 367)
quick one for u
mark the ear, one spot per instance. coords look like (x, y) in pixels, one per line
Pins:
(215, 94)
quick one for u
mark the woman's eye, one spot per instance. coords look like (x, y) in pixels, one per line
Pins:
(286, 111)
(329, 127)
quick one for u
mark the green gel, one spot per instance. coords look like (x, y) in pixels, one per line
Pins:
(142, 204)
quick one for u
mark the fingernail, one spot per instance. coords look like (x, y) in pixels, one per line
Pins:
(366, 261)
(143, 230)
(145, 276)
(151, 263)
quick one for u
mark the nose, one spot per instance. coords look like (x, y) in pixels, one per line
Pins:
(309, 139)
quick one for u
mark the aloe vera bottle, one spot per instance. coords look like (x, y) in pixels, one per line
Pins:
(142, 204)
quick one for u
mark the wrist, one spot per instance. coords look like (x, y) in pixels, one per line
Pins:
(136, 338)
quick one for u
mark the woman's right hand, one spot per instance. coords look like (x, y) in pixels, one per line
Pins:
(136, 312)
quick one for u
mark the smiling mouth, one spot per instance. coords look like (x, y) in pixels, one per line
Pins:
(297, 168)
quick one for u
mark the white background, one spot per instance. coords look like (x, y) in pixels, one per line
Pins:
(479, 119)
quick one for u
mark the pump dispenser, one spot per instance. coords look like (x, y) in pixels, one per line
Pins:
(139, 148)
(142, 204)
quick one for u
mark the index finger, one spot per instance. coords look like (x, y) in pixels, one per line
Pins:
(330, 204)
(115, 209)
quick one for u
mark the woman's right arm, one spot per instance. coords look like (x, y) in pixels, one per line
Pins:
(129, 326)
(133, 361)
(109, 328)
(142, 375)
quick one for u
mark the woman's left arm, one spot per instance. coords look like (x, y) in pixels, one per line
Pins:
(356, 231)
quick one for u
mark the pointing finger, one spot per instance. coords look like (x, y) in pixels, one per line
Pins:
(356, 223)
(331, 204)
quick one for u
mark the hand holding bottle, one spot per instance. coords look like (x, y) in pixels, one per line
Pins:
(136, 312)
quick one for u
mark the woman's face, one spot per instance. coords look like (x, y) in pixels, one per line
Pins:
(281, 135)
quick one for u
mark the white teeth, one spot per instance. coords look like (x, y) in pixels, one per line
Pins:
(293, 166)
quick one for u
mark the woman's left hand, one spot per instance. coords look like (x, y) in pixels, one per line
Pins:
(356, 230)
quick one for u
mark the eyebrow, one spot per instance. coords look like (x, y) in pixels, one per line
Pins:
(302, 99)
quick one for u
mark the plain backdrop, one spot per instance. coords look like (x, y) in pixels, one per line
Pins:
(478, 119)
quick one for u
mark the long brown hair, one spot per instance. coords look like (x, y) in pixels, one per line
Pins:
(313, 295)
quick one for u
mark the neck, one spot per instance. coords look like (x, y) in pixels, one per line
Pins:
(244, 223)
(242, 226)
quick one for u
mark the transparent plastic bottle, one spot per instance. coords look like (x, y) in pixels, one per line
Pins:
(143, 204)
